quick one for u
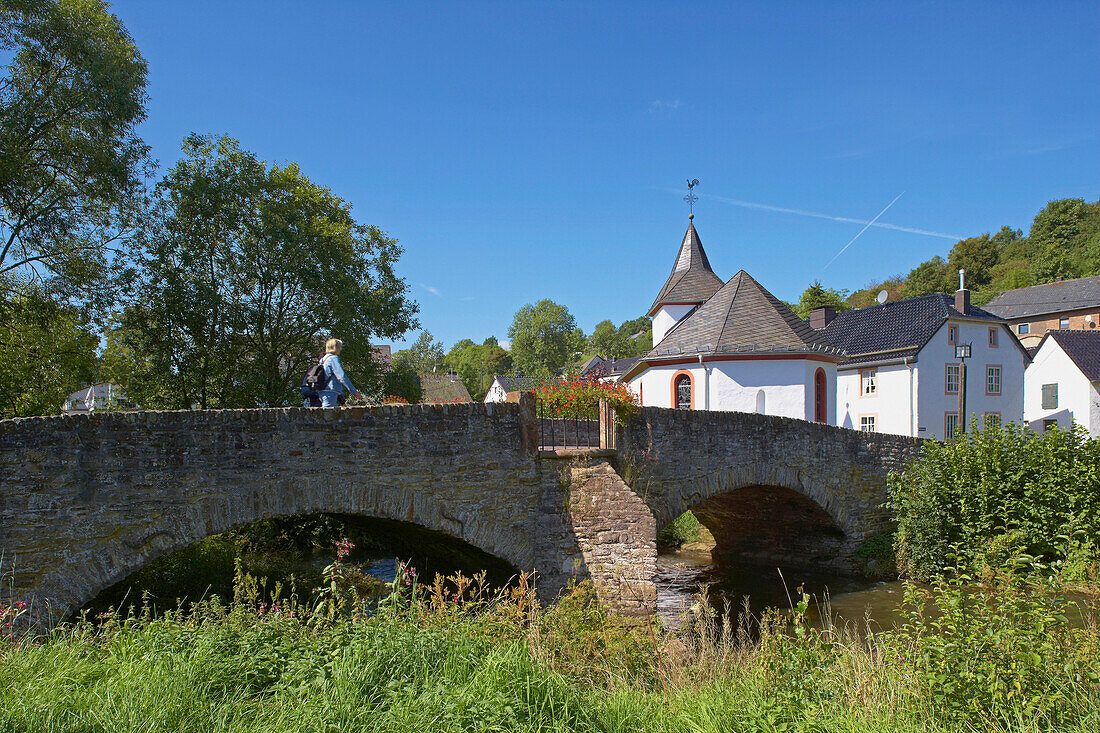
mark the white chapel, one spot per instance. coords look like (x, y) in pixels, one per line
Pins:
(732, 346)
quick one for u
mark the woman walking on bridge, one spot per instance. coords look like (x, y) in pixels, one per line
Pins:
(338, 381)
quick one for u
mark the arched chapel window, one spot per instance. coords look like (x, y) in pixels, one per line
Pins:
(683, 392)
(821, 398)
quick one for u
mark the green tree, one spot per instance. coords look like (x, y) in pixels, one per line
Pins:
(70, 159)
(816, 296)
(476, 364)
(544, 338)
(402, 381)
(978, 256)
(47, 351)
(608, 341)
(425, 356)
(1059, 236)
(246, 272)
(928, 278)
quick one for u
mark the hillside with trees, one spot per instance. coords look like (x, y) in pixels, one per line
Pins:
(1063, 242)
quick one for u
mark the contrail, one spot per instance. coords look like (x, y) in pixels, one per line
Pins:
(861, 231)
(830, 217)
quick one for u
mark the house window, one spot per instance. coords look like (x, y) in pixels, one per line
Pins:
(950, 425)
(1050, 396)
(951, 379)
(821, 396)
(867, 423)
(993, 420)
(869, 382)
(1063, 323)
(682, 391)
(993, 380)
(1024, 328)
(952, 335)
(993, 337)
(1049, 425)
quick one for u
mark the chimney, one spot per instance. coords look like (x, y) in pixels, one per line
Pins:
(822, 317)
(962, 295)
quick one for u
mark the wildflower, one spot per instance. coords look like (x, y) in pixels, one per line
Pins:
(344, 548)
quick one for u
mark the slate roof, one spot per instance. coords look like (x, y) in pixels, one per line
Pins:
(894, 330)
(622, 366)
(691, 280)
(1056, 297)
(1083, 347)
(742, 316)
(439, 388)
(515, 384)
(596, 362)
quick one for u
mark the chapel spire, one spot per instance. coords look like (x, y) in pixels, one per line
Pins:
(692, 281)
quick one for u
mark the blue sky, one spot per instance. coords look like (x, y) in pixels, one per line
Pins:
(525, 150)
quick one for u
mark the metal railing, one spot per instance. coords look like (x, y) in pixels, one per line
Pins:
(564, 429)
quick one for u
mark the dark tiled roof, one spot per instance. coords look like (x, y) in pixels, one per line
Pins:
(742, 316)
(1083, 347)
(622, 366)
(514, 383)
(596, 362)
(437, 388)
(894, 330)
(692, 280)
(1037, 300)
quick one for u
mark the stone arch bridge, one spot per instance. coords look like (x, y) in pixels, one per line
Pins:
(85, 500)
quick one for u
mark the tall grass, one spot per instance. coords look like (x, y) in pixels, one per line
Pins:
(450, 657)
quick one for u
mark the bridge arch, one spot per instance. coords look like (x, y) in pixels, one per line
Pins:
(119, 559)
(87, 499)
(836, 477)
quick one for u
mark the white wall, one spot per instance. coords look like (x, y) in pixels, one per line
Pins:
(1078, 400)
(665, 318)
(786, 385)
(932, 403)
(496, 393)
(891, 405)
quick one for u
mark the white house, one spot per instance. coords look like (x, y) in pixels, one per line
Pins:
(900, 373)
(1062, 384)
(731, 346)
(502, 385)
(99, 396)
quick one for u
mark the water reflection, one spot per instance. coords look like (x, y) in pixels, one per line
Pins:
(851, 600)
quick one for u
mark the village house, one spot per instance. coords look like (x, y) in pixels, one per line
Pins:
(1062, 384)
(503, 384)
(902, 372)
(731, 346)
(99, 396)
(1063, 305)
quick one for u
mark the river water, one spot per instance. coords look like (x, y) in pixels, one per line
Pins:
(845, 600)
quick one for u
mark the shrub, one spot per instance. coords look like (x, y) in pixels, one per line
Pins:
(995, 490)
(581, 398)
(685, 528)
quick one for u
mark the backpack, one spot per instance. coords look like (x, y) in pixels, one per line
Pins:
(316, 380)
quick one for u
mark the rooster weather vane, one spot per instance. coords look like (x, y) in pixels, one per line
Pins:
(691, 198)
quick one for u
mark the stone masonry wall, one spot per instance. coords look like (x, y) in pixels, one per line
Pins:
(85, 500)
(682, 458)
(599, 529)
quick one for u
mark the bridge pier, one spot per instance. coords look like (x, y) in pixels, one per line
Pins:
(594, 527)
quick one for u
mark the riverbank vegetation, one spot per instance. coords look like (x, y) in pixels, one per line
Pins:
(1019, 655)
(977, 500)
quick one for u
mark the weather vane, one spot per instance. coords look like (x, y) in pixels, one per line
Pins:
(691, 198)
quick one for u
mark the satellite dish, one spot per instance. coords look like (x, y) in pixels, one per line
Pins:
(882, 296)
